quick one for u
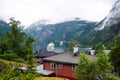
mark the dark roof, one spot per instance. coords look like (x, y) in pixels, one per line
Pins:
(68, 58)
(45, 54)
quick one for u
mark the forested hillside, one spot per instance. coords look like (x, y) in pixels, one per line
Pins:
(4, 27)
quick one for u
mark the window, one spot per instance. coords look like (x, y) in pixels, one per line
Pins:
(61, 66)
(73, 68)
(53, 65)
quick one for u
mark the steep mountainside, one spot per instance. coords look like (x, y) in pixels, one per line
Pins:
(4, 27)
(112, 18)
(85, 32)
(108, 28)
(75, 29)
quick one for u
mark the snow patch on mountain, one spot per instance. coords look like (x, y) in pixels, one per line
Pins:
(112, 18)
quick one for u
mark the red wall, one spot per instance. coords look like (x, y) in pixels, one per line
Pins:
(66, 71)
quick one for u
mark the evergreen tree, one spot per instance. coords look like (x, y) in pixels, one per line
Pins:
(30, 56)
(15, 39)
(115, 54)
(3, 48)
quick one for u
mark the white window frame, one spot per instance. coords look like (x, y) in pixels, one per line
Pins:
(73, 67)
(60, 66)
(53, 65)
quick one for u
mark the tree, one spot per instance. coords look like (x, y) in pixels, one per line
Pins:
(98, 48)
(103, 62)
(71, 44)
(3, 48)
(15, 39)
(86, 69)
(30, 56)
(115, 54)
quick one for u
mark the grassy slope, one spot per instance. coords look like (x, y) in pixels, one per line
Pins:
(12, 62)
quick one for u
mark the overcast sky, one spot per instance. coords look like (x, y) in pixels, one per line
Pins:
(30, 11)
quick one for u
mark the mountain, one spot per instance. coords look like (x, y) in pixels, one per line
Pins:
(112, 18)
(84, 32)
(75, 29)
(108, 28)
(4, 27)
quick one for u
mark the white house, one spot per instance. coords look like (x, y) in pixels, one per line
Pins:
(51, 46)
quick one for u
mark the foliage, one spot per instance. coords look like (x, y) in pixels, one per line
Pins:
(2, 65)
(28, 76)
(89, 70)
(17, 75)
(12, 62)
(11, 57)
(15, 38)
(115, 53)
(20, 46)
(7, 73)
(30, 56)
(110, 76)
(71, 44)
(14, 41)
(86, 69)
(98, 48)
(3, 48)
(103, 62)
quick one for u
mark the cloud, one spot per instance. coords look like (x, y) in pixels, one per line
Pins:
(29, 11)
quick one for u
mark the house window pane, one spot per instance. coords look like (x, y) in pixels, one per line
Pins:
(73, 68)
(60, 66)
(53, 65)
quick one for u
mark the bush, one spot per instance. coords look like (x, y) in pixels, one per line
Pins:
(19, 60)
(2, 65)
(111, 77)
(0, 51)
(11, 57)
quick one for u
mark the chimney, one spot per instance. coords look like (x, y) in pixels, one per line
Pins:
(75, 49)
(91, 52)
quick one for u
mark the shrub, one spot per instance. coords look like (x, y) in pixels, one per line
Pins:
(11, 57)
(111, 77)
(19, 60)
(2, 65)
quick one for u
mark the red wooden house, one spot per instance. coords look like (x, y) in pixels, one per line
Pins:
(62, 65)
